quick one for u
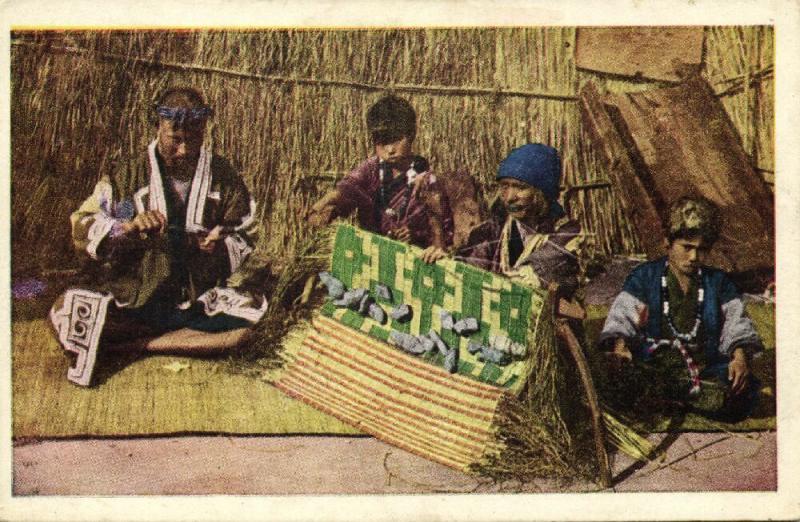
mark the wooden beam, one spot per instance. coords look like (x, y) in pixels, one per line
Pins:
(639, 52)
(689, 146)
(635, 196)
(662, 144)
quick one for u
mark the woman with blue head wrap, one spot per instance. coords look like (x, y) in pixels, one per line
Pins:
(534, 168)
(531, 240)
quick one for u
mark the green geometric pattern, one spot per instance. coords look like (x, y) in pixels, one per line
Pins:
(362, 259)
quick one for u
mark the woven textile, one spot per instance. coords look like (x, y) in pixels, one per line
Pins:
(396, 397)
(341, 363)
(143, 396)
(502, 308)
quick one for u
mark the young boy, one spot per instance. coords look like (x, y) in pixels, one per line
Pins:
(388, 197)
(685, 322)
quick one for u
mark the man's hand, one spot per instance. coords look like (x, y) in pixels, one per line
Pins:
(146, 223)
(324, 210)
(401, 234)
(619, 356)
(209, 242)
(432, 254)
(738, 371)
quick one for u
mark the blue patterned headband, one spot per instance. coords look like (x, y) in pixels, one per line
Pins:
(182, 116)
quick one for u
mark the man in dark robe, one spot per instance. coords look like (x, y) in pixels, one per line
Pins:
(162, 233)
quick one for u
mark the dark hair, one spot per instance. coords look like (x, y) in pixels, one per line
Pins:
(184, 105)
(691, 217)
(390, 119)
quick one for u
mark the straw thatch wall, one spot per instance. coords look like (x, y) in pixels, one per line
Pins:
(290, 106)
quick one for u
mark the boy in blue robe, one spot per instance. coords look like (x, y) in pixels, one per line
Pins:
(684, 325)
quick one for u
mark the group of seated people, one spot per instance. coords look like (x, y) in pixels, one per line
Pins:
(168, 227)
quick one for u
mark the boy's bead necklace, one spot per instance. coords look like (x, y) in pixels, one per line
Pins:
(690, 336)
(681, 340)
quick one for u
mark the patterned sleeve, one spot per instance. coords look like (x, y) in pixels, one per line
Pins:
(95, 221)
(438, 204)
(627, 316)
(356, 190)
(737, 328)
(481, 246)
(239, 220)
(557, 260)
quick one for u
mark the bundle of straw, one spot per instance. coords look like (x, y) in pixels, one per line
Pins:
(290, 298)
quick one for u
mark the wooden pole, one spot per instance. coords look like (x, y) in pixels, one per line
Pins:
(636, 198)
(567, 336)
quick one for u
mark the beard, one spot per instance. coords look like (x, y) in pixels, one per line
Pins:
(183, 168)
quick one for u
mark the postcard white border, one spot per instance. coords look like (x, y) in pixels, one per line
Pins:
(784, 14)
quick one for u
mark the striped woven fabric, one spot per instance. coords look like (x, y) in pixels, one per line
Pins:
(397, 398)
(342, 364)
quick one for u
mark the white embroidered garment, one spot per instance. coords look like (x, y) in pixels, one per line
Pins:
(220, 300)
(79, 323)
(201, 184)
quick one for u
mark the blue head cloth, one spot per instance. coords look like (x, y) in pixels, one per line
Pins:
(539, 166)
(183, 116)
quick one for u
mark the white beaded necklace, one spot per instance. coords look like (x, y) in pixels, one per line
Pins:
(682, 339)
(690, 336)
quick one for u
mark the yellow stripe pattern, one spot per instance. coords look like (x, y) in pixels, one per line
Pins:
(390, 394)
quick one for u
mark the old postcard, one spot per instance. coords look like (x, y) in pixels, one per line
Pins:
(400, 261)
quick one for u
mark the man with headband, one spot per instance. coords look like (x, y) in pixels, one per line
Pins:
(677, 336)
(528, 239)
(161, 234)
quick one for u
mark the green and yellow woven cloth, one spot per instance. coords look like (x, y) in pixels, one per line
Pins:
(341, 363)
(503, 309)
